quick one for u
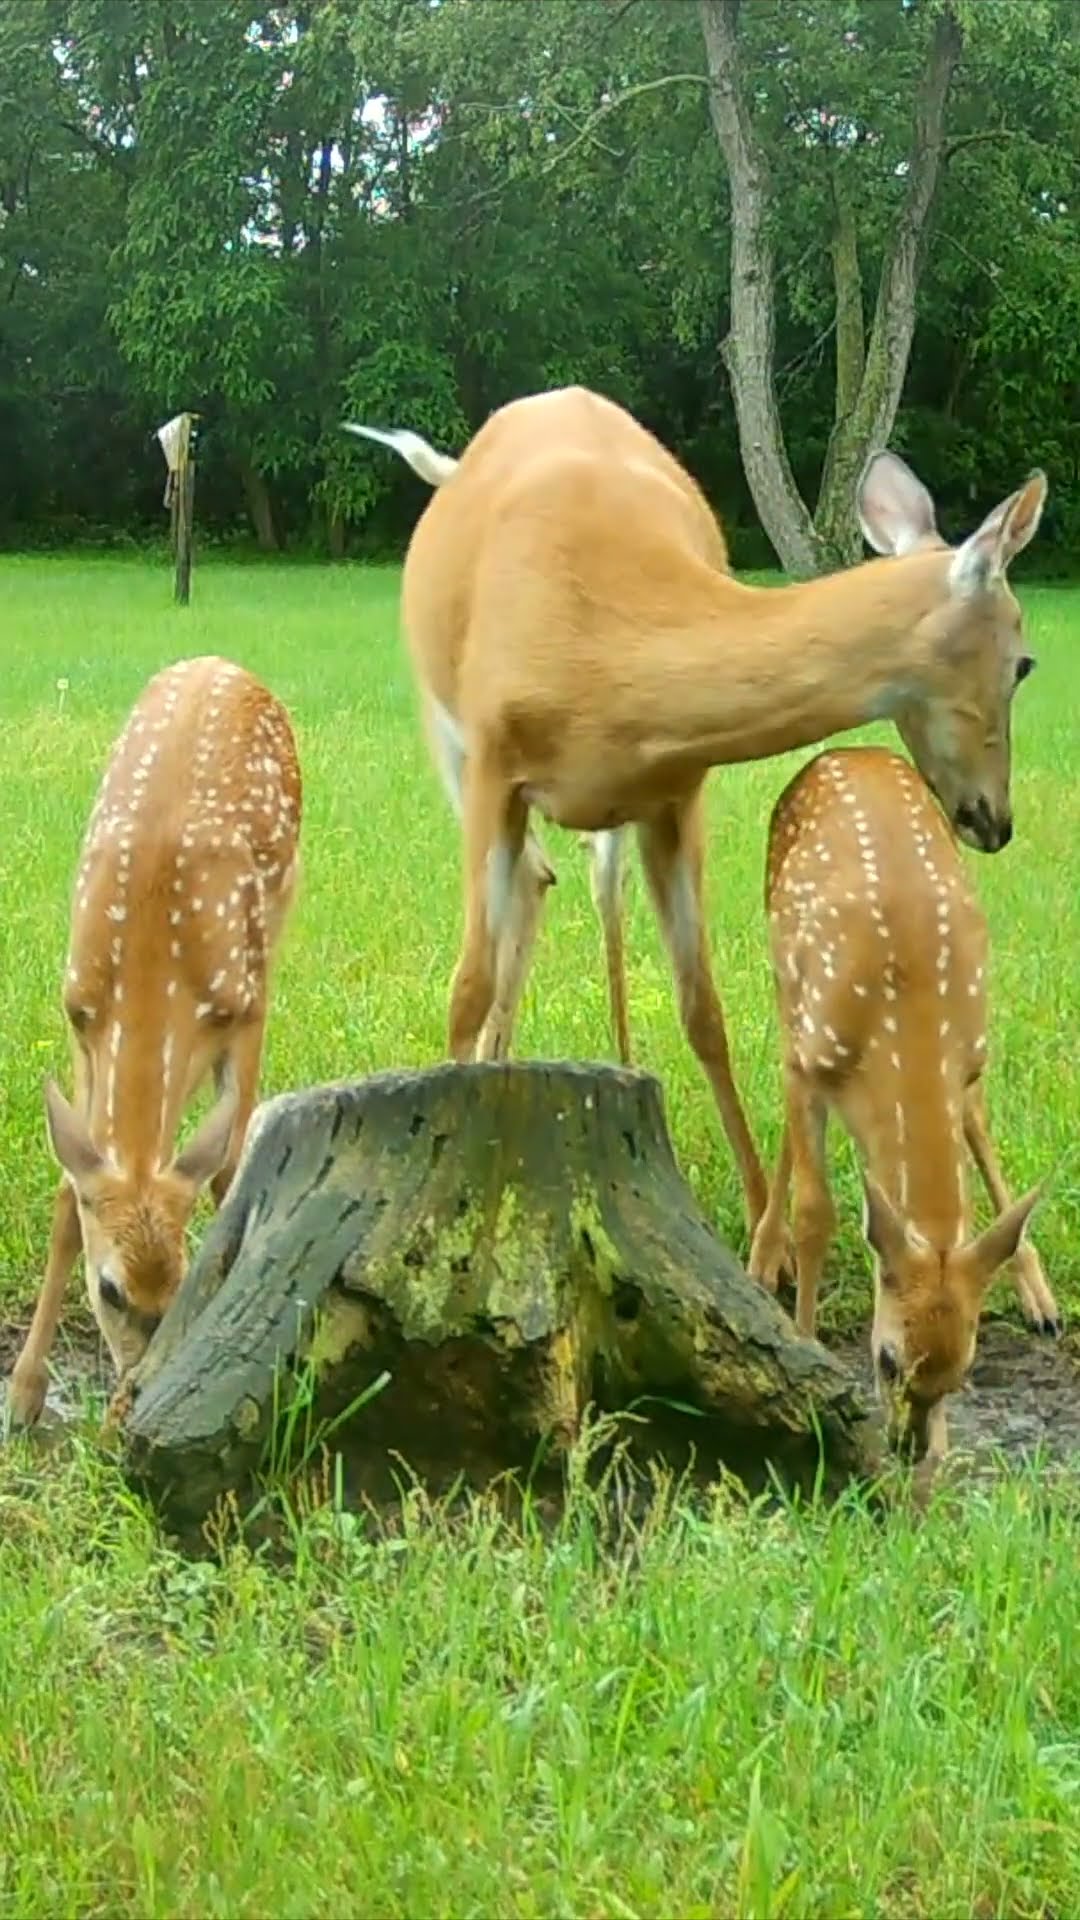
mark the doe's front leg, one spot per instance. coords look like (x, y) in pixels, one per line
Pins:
(494, 824)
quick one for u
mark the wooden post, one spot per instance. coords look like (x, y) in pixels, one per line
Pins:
(177, 439)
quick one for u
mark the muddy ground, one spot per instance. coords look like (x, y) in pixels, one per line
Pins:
(1023, 1397)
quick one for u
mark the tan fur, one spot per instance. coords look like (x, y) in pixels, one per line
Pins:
(188, 870)
(570, 619)
(879, 953)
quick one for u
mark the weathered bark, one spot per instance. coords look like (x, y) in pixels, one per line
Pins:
(509, 1243)
(840, 527)
(870, 421)
(749, 349)
(259, 506)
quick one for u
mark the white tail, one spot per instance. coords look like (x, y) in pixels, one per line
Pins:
(433, 467)
(575, 630)
(879, 956)
(188, 870)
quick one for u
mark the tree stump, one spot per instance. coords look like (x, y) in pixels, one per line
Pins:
(508, 1242)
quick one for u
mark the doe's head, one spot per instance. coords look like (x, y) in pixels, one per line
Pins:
(927, 1304)
(134, 1228)
(956, 726)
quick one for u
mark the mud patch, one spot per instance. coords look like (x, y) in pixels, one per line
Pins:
(1023, 1396)
(79, 1366)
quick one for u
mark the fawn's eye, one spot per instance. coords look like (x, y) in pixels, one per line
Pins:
(888, 1365)
(110, 1293)
(1024, 666)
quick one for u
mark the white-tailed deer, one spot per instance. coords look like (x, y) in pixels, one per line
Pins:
(188, 869)
(605, 848)
(581, 650)
(879, 954)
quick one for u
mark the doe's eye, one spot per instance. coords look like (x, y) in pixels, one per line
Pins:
(1024, 666)
(888, 1365)
(110, 1292)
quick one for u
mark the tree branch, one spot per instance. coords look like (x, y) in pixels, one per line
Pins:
(964, 140)
(622, 100)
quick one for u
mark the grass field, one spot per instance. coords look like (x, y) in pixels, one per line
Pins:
(810, 1713)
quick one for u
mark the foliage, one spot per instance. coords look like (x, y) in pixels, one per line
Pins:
(409, 212)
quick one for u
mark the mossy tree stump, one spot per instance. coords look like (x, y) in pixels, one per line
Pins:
(509, 1243)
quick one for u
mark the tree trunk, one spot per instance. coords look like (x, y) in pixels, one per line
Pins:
(805, 546)
(748, 350)
(508, 1243)
(259, 506)
(841, 529)
(870, 421)
(335, 534)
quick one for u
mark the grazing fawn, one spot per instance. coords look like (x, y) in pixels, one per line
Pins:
(582, 651)
(188, 870)
(879, 954)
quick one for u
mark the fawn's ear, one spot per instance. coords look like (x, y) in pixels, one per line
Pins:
(886, 1231)
(990, 1249)
(70, 1138)
(895, 511)
(988, 553)
(208, 1148)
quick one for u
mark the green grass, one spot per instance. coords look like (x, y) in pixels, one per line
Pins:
(802, 1713)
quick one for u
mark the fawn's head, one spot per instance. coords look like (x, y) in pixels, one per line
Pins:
(927, 1303)
(134, 1227)
(955, 718)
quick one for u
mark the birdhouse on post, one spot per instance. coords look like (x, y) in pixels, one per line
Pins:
(177, 439)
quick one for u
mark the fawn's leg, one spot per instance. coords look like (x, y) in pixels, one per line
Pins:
(814, 1213)
(30, 1377)
(244, 1055)
(769, 1255)
(1040, 1309)
(606, 884)
(672, 852)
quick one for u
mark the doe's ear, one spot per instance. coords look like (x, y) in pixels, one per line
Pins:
(895, 511)
(988, 552)
(70, 1138)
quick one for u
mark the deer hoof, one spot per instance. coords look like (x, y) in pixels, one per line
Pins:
(25, 1397)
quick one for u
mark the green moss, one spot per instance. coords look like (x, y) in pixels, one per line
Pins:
(247, 1417)
(341, 1325)
(585, 1219)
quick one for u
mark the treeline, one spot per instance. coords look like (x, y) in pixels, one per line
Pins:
(780, 233)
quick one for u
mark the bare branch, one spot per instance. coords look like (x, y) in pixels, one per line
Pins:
(584, 132)
(622, 100)
(791, 368)
(963, 140)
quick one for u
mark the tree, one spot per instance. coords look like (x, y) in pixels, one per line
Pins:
(403, 211)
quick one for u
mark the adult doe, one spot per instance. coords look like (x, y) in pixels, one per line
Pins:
(582, 651)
